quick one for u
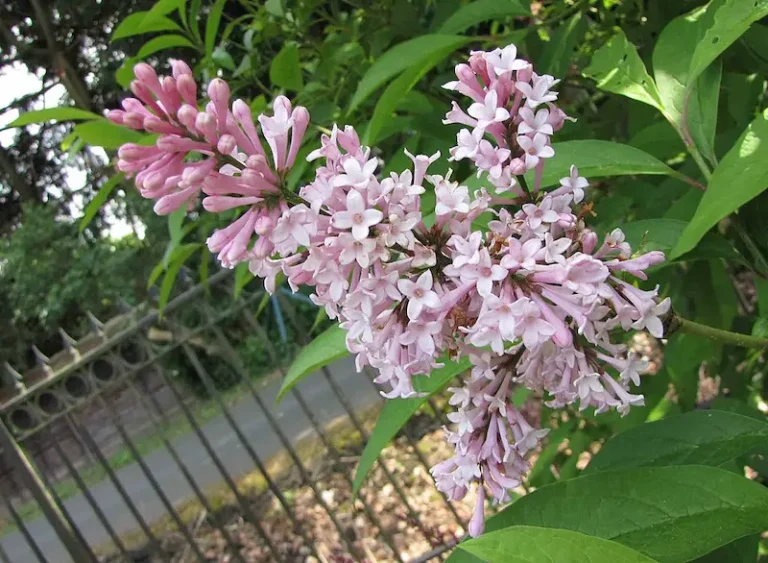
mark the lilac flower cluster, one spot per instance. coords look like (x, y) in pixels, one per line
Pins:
(534, 301)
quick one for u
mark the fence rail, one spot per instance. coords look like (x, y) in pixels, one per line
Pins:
(211, 487)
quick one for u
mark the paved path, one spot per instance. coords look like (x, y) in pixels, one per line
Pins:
(230, 450)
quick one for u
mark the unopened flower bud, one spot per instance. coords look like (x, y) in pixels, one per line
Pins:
(226, 144)
(589, 242)
(116, 116)
(517, 167)
(179, 68)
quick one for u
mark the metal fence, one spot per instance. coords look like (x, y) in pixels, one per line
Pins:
(252, 482)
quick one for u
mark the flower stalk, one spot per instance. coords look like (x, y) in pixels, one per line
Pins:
(680, 324)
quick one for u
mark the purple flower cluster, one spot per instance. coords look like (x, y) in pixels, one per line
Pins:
(536, 300)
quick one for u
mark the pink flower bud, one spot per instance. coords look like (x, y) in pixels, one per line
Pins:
(133, 120)
(479, 66)
(525, 74)
(132, 104)
(263, 248)
(179, 68)
(589, 242)
(171, 202)
(146, 74)
(557, 117)
(226, 144)
(256, 161)
(196, 172)
(175, 143)
(300, 123)
(264, 225)
(187, 115)
(219, 203)
(349, 140)
(517, 167)
(142, 91)
(206, 124)
(218, 91)
(187, 87)
(477, 523)
(172, 96)
(154, 124)
(116, 116)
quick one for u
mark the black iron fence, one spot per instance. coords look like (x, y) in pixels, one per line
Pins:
(138, 469)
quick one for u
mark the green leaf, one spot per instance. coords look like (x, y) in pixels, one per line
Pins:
(702, 437)
(162, 8)
(397, 412)
(274, 7)
(285, 71)
(740, 176)
(328, 347)
(730, 20)
(180, 256)
(105, 134)
(671, 61)
(482, 10)
(135, 25)
(176, 233)
(124, 75)
(399, 58)
(212, 26)
(530, 544)
(394, 93)
(558, 53)
(671, 514)
(319, 318)
(743, 550)
(242, 276)
(52, 114)
(662, 234)
(617, 68)
(595, 158)
(101, 198)
(161, 43)
(193, 17)
(222, 58)
(541, 473)
(155, 274)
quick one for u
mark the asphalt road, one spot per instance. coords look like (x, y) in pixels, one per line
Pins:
(293, 422)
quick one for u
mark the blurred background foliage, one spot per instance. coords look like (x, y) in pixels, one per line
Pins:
(377, 65)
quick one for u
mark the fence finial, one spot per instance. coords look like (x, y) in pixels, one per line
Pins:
(40, 358)
(96, 325)
(12, 378)
(70, 344)
(123, 306)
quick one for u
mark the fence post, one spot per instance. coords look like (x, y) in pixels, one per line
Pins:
(19, 459)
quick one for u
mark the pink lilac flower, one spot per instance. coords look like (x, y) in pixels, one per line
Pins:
(535, 300)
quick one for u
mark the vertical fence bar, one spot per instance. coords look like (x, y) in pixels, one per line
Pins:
(3, 555)
(61, 526)
(104, 462)
(236, 364)
(242, 501)
(68, 517)
(234, 549)
(169, 508)
(24, 531)
(214, 392)
(75, 474)
(79, 439)
(419, 456)
(272, 353)
(341, 397)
